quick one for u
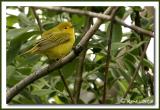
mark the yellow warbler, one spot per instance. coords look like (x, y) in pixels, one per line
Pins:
(56, 42)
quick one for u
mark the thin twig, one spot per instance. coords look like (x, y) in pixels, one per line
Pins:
(108, 57)
(138, 23)
(75, 11)
(136, 71)
(135, 28)
(107, 66)
(66, 86)
(144, 68)
(98, 15)
(38, 20)
(48, 69)
(78, 79)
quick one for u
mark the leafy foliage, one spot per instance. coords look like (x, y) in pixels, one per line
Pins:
(125, 55)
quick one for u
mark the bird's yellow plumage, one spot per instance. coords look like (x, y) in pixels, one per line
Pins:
(56, 42)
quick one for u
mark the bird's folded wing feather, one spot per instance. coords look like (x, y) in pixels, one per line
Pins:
(49, 32)
(52, 40)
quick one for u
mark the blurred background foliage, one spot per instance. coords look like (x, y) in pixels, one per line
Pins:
(22, 32)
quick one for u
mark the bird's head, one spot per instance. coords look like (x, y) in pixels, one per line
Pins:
(65, 26)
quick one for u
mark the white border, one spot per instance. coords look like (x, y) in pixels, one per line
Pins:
(4, 4)
(105, 3)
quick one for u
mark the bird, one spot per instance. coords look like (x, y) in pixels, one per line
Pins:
(55, 43)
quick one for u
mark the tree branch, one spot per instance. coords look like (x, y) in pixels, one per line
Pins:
(78, 79)
(108, 56)
(66, 86)
(135, 28)
(75, 11)
(46, 70)
(99, 15)
(38, 20)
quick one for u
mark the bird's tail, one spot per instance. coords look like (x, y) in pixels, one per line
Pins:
(31, 51)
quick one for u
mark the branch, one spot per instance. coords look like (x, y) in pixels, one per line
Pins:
(37, 18)
(136, 71)
(145, 69)
(75, 11)
(135, 28)
(66, 86)
(78, 79)
(99, 15)
(46, 70)
(108, 56)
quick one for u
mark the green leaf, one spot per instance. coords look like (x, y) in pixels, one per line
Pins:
(16, 43)
(13, 33)
(114, 73)
(42, 92)
(57, 100)
(116, 33)
(13, 76)
(10, 72)
(133, 16)
(63, 99)
(130, 57)
(120, 12)
(11, 20)
(121, 70)
(38, 85)
(123, 84)
(130, 65)
(137, 8)
(98, 57)
(107, 26)
(96, 50)
(68, 69)
(148, 63)
(49, 25)
(78, 21)
(24, 70)
(22, 100)
(116, 45)
(59, 86)
(136, 46)
(25, 21)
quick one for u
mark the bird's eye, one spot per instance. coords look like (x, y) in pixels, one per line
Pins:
(65, 27)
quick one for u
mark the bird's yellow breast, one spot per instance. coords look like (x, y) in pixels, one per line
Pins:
(60, 50)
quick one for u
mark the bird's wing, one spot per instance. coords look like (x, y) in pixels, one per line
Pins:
(52, 40)
(49, 32)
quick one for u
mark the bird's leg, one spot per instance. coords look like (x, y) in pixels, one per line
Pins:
(77, 49)
(50, 61)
